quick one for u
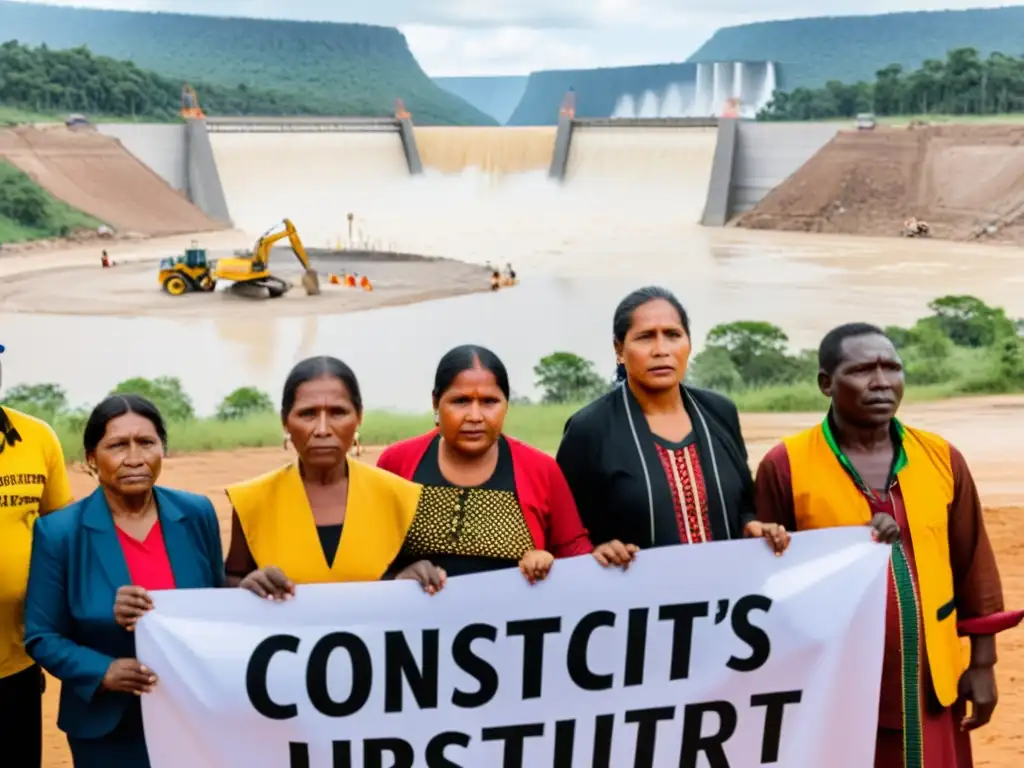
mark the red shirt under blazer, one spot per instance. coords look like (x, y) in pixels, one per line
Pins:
(544, 495)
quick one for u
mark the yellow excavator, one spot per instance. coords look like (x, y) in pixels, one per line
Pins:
(254, 268)
(195, 272)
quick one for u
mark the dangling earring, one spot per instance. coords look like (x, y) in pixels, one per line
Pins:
(437, 418)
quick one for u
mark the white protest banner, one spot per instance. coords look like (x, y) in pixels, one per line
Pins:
(718, 655)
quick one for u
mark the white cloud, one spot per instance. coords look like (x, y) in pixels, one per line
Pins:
(466, 37)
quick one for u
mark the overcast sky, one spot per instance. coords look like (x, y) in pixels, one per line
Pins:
(489, 37)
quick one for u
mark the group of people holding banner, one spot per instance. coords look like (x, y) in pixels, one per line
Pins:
(652, 463)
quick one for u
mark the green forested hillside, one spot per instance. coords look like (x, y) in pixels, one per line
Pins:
(808, 54)
(339, 69)
(496, 96)
(597, 90)
(811, 52)
(47, 81)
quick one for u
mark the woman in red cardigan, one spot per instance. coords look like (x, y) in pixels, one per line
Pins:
(489, 501)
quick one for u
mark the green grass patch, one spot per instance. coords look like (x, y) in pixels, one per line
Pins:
(29, 212)
(538, 425)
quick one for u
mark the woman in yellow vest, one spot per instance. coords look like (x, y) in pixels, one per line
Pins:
(324, 517)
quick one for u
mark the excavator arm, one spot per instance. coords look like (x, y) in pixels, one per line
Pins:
(310, 279)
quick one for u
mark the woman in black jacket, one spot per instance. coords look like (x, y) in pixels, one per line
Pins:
(655, 462)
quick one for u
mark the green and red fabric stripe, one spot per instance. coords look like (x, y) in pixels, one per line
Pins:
(906, 595)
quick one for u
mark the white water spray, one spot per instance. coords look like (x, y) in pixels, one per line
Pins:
(674, 102)
(708, 94)
(768, 86)
(649, 105)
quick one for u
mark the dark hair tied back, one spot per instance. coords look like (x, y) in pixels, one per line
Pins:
(465, 358)
(313, 368)
(115, 406)
(622, 321)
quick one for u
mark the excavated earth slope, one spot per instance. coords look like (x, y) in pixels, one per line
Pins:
(965, 181)
(96, 174)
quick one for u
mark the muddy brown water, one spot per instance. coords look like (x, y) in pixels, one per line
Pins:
(626, 216)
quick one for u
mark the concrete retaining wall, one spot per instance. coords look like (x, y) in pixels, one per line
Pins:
(755, 158)
(560, 155)
(718, 206)
(769, 153)
(162, 147)
(204, 187)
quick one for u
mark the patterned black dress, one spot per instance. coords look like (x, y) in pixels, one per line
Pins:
(466, 530)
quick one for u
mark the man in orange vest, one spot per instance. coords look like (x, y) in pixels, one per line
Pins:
(862, 466)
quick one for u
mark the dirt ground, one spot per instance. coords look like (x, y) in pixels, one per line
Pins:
(963, 180)
(72, 282)
(985, 429)
(96, 174)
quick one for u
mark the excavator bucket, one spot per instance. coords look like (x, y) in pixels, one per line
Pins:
(311, 282)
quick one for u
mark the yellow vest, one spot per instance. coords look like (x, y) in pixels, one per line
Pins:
(279, 527)
(824, 496)
(33, 481)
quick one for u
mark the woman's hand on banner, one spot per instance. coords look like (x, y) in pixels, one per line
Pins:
(615, 553)
(269, 583)
(129, 676)
(428, 575)
(776, 535)
(536, 564)
(130, 604)
(884, 528)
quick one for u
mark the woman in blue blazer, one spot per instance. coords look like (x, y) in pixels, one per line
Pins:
(93, 564)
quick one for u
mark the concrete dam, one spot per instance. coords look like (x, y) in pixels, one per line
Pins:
(250, 172)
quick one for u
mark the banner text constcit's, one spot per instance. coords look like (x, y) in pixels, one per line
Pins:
(767, 661)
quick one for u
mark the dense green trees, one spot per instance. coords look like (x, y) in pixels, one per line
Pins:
(963, 347)
(963, 84)
(320, 68)
(565, 377)
(75, 80)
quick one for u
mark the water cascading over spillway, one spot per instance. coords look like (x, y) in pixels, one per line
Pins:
(714, 84)
(495, 152)
(269, 175)
(667, 164)
(478, 186)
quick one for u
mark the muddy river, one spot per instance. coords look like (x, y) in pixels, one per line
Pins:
(626, 216)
